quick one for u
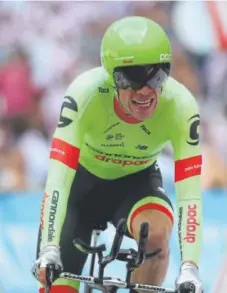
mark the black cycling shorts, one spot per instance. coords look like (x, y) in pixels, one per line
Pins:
(94, 201)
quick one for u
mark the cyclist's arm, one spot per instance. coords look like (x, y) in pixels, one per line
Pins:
(64, 157)
(188, 160)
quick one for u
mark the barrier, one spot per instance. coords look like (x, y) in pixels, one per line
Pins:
(19, 220)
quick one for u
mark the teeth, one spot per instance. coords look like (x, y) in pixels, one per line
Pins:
(142, 103)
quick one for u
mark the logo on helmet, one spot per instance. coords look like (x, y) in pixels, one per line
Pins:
(165, 57)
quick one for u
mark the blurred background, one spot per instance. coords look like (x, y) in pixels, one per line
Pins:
(43, 47)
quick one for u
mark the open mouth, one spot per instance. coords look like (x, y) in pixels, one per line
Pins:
(146, 103)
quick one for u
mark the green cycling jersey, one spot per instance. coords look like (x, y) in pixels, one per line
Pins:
(93, 132)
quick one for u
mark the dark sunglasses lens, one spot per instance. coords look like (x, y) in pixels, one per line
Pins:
(121, 80)
(135, 77)
(158, 79)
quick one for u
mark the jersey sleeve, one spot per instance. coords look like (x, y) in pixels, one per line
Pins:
(63, 162)
(188, 161)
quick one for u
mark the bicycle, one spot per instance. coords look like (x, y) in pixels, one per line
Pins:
(132, 258)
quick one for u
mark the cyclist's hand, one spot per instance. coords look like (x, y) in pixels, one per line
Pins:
(188, 280)
(49, 255)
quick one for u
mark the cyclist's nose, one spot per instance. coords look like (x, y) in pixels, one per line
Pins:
(145, 90)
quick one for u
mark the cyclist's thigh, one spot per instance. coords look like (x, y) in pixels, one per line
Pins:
(143, 191)
(74, 226)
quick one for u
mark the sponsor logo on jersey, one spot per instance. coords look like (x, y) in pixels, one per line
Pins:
(103, 90)
(52, 215)
(192, 223)
(180, 218)
(144, 128)
(57, 151)
(141, 147)
(117, 136)
(194, 130)
(187, 168)
(121, 162)
(113, 145)
(65, 153)
(111, 126)
(70, 104)
(42, 211)
(165, 57)
(124, 156)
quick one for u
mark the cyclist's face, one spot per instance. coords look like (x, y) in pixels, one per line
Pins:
(140, 103)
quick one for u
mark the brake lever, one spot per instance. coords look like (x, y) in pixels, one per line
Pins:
(52, 273)
(49, 277)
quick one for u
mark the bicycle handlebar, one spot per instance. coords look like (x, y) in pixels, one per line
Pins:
(116, 282)
(132, 258)
(141, 255)
(106, 282)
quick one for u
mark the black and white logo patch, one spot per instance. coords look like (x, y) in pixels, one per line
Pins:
(71, 104)
(194, 130)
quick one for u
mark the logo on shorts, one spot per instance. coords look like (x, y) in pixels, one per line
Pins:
(161, 189)
(156, 167)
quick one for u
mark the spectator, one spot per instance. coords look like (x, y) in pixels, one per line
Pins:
(16, 88)
(11, 161)
(33, 146)
(58, 50)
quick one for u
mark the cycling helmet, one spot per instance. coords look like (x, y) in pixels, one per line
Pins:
(135, 41)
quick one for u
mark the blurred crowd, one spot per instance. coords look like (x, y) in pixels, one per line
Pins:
(45, 45)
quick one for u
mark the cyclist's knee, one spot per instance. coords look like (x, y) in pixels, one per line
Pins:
(160, 228)
(158, 239)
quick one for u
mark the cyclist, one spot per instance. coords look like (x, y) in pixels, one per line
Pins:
(114, 122)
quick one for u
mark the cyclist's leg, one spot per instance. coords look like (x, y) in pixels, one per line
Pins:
(147, 202)
(75, 225)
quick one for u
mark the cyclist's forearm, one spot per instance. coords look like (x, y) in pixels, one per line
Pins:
(189, 210)
(55, 201)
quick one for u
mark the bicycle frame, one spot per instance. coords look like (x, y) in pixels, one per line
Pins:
(132, 258)
(94, 240)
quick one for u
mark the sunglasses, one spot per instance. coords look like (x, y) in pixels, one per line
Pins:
(136, 77)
